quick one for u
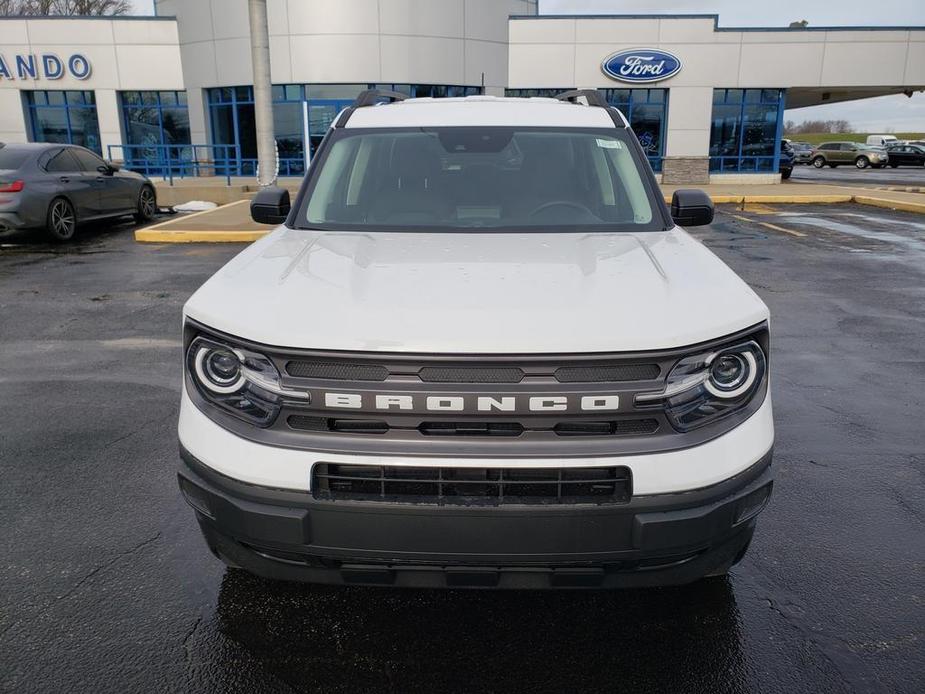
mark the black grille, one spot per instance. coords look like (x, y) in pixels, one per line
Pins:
(471, 428)
(337, 371)
(462, 374)
(448, 485)
(607, 373)
(577, 427)
(620, 427)
(344, 426)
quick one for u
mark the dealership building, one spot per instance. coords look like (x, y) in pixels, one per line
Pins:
(172, 93)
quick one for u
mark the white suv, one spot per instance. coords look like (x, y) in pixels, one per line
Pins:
(479, 352)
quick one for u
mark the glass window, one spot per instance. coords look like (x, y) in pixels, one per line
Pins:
(498, 178)
(65, 117)
(647, 113)
(62, 161)
(87, 160)
(548, 93)
(334, 91)
(157, 132)
(288, 127)
(745, 130)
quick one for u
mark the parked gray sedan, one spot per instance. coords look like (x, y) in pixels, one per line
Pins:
(57, 187)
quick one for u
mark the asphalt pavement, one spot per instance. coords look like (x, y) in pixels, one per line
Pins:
(106, 585)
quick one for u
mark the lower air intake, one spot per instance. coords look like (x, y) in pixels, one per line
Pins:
(493, 486)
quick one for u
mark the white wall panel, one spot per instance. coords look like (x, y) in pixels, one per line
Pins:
(418, 59)
(107, 114)
(331, 16)
(422, 18)
(12, 120)
(637, 32)
(321, 58)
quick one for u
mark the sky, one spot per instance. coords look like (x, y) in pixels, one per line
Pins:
(887, 113)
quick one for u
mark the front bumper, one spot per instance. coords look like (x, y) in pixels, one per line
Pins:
(659, 539)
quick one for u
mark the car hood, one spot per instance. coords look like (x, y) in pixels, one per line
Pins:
(476, 292)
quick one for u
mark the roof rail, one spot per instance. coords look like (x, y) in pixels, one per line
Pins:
(593, 96)
(373, 96)
(370, 97)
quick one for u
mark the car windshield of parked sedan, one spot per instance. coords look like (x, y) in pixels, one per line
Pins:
(491, 178)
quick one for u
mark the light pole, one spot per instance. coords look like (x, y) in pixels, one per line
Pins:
(263, 99)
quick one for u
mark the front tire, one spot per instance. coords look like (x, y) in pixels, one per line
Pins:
(862, 162)
(147, 205)
(61, 220)
(819, 162)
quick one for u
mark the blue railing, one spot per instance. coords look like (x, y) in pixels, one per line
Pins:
(288, 166)
(179, 161)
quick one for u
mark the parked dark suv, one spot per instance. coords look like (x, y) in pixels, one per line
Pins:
(787, 158)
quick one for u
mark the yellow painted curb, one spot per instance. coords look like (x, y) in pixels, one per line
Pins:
(901, 205)
(203, 236)
(781, 199)
(717, 199)
(797, 199)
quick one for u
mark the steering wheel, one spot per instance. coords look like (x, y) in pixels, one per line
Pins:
(560, 203)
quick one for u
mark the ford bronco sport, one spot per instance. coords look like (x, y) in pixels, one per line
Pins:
(478, 351)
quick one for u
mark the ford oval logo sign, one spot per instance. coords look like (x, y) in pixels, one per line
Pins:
(641, 65)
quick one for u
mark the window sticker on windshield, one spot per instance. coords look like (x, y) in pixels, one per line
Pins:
(609, 144)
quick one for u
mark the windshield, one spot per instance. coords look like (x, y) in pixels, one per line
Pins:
(493, 178)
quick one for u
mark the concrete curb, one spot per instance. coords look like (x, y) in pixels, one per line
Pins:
(900, 205)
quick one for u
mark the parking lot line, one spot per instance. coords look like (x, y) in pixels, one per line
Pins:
(792, 232)
(768, 225)
(758, 208)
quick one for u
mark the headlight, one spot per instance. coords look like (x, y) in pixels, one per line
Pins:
(709, 386)
(237, 380)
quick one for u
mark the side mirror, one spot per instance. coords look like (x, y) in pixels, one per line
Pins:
(107, 169)
(270, 206)
(691, 207)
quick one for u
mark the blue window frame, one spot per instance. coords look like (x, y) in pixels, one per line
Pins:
(157, 132)
(745, 130)
(645, 109)
(68, 117)
(647, 113)
(231, 116)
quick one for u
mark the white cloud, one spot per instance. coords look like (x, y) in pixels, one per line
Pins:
(753, 13)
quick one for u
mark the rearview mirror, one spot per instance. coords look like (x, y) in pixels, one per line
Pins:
(691, 207)
(107, 169)
(270, 206)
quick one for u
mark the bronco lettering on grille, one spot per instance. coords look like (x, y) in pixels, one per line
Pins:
(473, 403)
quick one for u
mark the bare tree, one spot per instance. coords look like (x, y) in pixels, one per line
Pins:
(40, 8)
(818, 126)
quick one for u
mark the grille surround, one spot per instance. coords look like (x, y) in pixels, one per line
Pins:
(490, 486)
